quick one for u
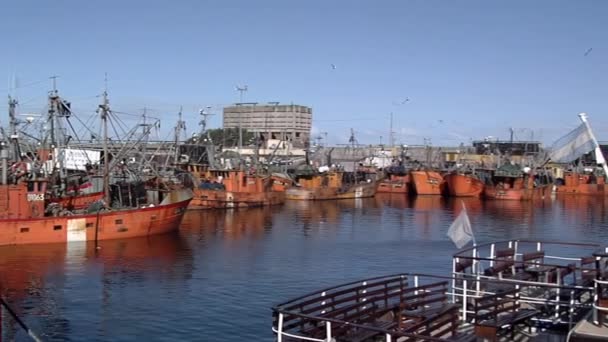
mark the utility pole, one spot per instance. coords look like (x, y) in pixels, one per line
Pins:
(391, 137)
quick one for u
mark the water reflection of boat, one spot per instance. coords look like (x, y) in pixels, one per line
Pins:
(23, 269)
(234, 224)
(473, 205)
(393, 200)
(428, 203)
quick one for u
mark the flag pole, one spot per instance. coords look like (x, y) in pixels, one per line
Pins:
(464, 208)
(599, 156)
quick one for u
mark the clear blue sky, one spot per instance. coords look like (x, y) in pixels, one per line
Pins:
(470, 68)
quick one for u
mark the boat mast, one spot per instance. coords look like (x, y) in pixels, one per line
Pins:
(181, 125)
(12, 106)
(599, 156)
(104, 109)
(53, 111)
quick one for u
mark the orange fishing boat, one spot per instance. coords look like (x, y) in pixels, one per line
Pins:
(25, 220)
(313, 186)
(464, 184)
(582, 183)
(427, 182)
(396, 182)
(509, 182)
(77, 201)
(223, 189)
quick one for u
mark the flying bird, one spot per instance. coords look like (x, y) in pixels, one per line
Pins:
(333, 66)
(588, 52)
(405, 101)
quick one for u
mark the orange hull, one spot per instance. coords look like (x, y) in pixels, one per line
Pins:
(464, 185)
(583, 184)
(428, 182)
(77, 202)
(394, 185)
(222, 199)
(106, 225)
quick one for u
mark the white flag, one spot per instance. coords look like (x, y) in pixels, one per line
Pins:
(573, 145)
(460, 231)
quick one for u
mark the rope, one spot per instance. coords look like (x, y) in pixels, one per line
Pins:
(19, 321)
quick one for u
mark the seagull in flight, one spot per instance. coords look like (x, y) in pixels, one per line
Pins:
(588, 52)
(333, 66)
(407, 99)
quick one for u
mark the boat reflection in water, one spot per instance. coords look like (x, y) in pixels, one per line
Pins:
(38, 281)
(230, 224)
(578, 210)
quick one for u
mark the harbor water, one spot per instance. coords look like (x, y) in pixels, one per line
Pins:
(218, 277)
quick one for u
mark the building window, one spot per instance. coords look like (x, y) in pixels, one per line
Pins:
(90, 224)
(119, 221)
(57, 227)
(24, 230)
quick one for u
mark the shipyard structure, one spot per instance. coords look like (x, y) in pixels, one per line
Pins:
(273, 121)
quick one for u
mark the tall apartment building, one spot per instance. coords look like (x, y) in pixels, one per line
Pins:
(272, 121)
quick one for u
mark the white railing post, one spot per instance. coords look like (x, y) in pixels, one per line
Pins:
(416, 285)
(492, 247)
(280, 328)
(328, 331)
(557, 290)
(464, 300)
(539, 246)
(595, 303)
(388, 337)
(454, 260)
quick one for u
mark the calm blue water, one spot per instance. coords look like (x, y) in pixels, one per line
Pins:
(217, 279)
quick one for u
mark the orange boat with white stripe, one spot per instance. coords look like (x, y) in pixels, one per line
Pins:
(25, 220)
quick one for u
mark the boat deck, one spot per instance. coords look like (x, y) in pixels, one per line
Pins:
(509, 291)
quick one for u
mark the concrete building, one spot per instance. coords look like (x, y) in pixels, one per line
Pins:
(272, 121)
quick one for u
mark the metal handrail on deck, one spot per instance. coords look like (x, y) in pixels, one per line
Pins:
(30, 333)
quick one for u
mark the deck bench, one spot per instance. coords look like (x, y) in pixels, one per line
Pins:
(500, 266)
(493, 312)
(361, 334)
